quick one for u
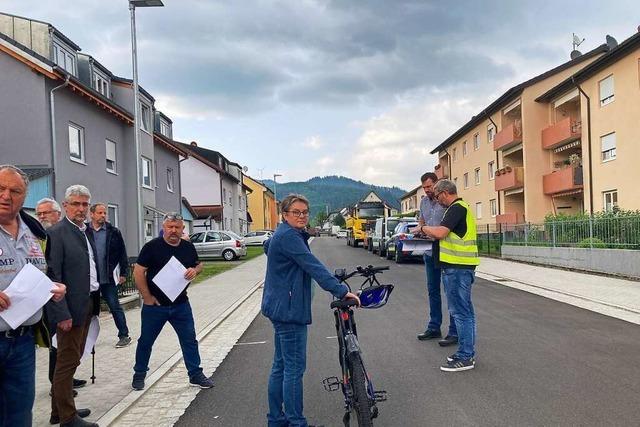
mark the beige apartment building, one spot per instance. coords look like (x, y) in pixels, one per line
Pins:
(526, 155)
(410, 201)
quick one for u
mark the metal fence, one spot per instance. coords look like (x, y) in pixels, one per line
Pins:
(129, 286)
(591, 232)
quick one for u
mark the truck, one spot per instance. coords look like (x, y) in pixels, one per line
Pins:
(334, 230)
(363, 216)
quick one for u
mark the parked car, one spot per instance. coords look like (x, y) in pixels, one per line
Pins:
(219, 244)
(314, 231)
(341, 234)
(383, 231)
(257, 237)
(402, 245)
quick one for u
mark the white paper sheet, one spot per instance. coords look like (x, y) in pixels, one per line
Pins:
(116, 275)
(171, 279)
(416, 245)
(92, 337)
(28, 292)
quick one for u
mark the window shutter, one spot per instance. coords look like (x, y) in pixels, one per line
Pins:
(608, 142)
(111, 150)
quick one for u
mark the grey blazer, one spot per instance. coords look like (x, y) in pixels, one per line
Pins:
(68, 263)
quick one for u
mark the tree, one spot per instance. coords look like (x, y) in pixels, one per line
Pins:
(320, 218)
(339, 221)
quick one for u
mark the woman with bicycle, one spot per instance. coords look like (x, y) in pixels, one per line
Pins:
(286, 301)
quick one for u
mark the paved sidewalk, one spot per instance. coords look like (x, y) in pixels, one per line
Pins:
(611, 296)
(210, 300)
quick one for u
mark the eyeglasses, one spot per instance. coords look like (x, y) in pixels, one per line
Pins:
(439, 193)
(298, 214)
(43, 213)
(173, 217)
(78, 204)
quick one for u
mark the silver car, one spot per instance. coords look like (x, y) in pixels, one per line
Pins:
(219, 244)
(257, 237)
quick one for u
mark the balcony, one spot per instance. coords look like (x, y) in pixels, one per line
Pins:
(560, 181)
(510, 218)
(508, 137)
(509, 178)
(566, 130)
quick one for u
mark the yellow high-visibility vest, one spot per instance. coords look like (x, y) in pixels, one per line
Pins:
(462, 250)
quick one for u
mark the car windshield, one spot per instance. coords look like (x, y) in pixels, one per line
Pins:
(234, 235)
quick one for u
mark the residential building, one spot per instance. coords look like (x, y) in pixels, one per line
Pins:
(261, 205)
(410, 201)
(500, 173)
(64, 112)
(214, 187)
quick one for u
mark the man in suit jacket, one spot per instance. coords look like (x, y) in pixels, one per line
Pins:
(71, 259)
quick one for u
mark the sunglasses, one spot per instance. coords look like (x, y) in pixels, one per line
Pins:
(173, 217)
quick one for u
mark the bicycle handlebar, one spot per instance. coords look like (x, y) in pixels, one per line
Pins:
(367, 271)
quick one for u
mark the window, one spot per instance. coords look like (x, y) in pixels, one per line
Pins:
(197, 238)
(146, 172)
(155, 173)
(239, 202)
(491, 132)
(466, 180)
(148, 230)
(608, 143)
(476, 141)
(213, 237)
(464, 148)
(478, 210)
(610, 200)
(606, 91)
(477, 176)
(112, 214)
(170, 180)
(224, 196)
(100, 84)
(76, 143)
(145, 117)
(455, 154)
(165, 129)
(493, 206)
(64, 58)
(491, 171)
(111, 156)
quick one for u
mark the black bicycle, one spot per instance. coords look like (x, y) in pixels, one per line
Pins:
(356, 384)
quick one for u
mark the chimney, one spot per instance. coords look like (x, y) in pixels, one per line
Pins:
(194, 144)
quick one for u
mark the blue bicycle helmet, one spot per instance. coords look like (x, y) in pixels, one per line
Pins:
(375, 296)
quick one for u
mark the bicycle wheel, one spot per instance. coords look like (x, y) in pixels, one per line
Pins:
(361, 403)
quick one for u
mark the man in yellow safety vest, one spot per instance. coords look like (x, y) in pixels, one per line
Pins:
(456, 252)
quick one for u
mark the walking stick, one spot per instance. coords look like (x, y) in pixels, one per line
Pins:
(93, 365)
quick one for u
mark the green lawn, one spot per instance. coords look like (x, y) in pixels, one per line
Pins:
(211, 268)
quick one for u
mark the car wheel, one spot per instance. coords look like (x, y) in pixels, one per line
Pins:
(383, 252)
(398, 256)
(228, 255)
(387, 254)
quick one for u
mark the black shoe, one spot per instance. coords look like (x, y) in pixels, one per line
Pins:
(79, 383)
(75, 393)
(429, 334)
(453, 357)
(138, 382)
(82, 413)
(78, 422)
(448, 340)
(200, 380)
(457, 365)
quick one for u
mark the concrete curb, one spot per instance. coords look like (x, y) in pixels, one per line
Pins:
(116, 411)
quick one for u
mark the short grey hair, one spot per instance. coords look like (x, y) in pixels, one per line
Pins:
(54, 205)
(23, 175)
(76, 190)
(286, 203)
(445, 185)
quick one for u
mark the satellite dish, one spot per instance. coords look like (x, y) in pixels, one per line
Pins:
(245, 169)
(575, 54)
(611, 42)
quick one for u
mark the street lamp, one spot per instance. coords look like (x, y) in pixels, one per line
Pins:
(136, 109)
(275, 194)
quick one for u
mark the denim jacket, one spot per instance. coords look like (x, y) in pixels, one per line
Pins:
(287, 285)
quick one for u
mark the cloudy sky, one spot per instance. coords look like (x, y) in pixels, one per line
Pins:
(361, 88)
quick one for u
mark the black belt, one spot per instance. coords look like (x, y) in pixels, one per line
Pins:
(15, 333)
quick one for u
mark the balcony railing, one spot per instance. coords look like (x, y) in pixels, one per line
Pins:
(565, 131)
(509, 136)
(510, 218)
(562, 180)
(509, 178)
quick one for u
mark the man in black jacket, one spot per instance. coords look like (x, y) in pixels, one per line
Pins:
(112, 261)
(71, 260)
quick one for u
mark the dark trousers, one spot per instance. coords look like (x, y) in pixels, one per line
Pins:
(435, 298)
(17, 380)
(110, 294)
(70, 349)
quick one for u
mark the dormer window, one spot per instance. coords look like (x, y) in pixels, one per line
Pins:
(145, 113)
(101, 84)
(165, 128)
(64, 58)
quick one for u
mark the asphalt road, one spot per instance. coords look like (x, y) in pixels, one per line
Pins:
(539, 362)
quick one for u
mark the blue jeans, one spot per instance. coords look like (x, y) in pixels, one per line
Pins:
(17, 380)
(110, 294)
(457, 285)
(285, 382)
(435, 299)
(153, 319)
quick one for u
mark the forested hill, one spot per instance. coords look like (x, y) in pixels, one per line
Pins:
(335, 192)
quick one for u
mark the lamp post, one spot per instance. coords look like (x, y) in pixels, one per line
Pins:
(136, 110)
(275, 195)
